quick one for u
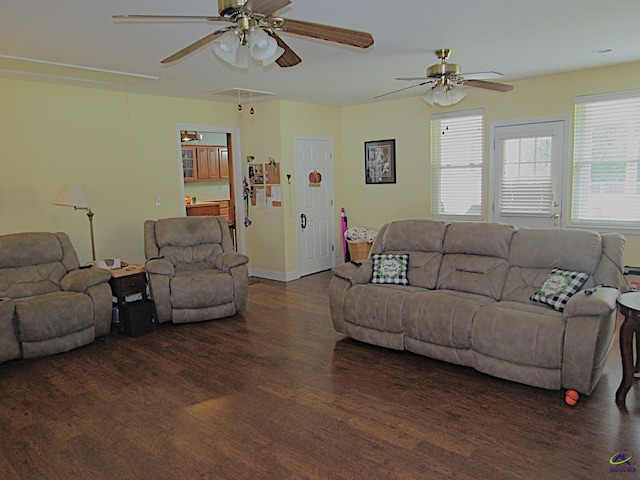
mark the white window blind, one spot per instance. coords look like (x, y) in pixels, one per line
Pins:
(526, 187)
(606, 161)
(457, 161)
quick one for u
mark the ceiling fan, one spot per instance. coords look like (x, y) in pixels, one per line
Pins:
(254, 25)
(447, 78)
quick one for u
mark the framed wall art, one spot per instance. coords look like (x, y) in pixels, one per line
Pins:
(380, 161)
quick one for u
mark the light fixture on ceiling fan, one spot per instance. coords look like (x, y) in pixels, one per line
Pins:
(449, 82)
(236, 45)
(186, 136)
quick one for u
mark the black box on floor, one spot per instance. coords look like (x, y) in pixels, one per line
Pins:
(136, 318)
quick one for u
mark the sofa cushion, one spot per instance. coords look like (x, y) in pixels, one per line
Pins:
(473, 274)
(524, 334)
(390, 268)
(53, 315)
(559, 287)
(487, 239)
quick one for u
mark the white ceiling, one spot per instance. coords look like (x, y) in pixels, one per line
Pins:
(520, 38)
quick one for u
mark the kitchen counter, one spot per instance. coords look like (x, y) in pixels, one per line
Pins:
(209, 208)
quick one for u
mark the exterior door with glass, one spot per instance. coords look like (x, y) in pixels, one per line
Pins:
(528, 173)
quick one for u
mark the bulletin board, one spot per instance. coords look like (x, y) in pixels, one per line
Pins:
(266, 189)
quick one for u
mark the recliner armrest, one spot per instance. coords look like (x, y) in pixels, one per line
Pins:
(602, 301)
(80, 280)
(227, 260)
(160, 266)
(354, 274)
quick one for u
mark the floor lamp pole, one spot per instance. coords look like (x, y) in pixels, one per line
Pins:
(93, 242)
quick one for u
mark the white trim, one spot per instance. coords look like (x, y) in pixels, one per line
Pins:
(274, 275)
(237, 173)
(600, 97)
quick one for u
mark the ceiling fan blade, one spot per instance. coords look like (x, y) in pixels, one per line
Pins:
(496, 87)
(412, 79)
(264, 7)
(194, 46)
(405, 88)
(289, 57)
(329, 33)
(207, 18)
(480, 75)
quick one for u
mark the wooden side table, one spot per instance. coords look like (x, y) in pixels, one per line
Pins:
(629, 304)
(136, 318)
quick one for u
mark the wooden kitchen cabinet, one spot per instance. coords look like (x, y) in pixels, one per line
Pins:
(212, 163)
(189, 164)
(218, 208)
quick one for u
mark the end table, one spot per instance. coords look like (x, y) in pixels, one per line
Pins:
(629, 304)
(136, 318)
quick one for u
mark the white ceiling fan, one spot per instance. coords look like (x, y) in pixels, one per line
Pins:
(446, 79)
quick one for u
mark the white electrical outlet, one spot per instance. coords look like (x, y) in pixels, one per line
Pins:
(158, 201)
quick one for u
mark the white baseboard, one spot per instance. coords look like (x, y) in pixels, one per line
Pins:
(273, 275)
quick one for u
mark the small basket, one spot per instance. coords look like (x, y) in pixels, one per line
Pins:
(359, 250)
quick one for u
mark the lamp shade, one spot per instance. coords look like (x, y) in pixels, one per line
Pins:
(444, 95)
(71, 195)
(226, 46)
(261, 45)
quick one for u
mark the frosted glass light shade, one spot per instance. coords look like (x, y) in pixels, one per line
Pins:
(444, 96)
(226, 46)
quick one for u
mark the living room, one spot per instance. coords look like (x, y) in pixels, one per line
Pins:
(123, 148)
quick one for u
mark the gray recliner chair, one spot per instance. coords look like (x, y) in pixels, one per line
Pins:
(47, 303)
(194, 272)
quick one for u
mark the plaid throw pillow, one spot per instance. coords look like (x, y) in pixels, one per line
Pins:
(559, 287)
(390, 269)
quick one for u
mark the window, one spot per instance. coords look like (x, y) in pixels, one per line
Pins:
(457, 160)
(606, 161)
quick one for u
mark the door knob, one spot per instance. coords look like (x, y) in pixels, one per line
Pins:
(555, 216)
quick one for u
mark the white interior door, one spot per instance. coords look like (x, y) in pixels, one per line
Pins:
(314, 194)
(528, 176)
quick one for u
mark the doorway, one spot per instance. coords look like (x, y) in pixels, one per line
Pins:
(315, 208)
(528, 179)
(218, 144)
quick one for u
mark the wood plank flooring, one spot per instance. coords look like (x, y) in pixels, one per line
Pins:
(276, 393)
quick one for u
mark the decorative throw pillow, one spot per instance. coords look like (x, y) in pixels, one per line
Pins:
(559, 287)
(390, 269)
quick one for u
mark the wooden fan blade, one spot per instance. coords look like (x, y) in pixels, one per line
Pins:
(264, 7)
(405, 88)
(480, 75)
(207, 18)
(412, 79)
(194, 46)
(328, 33)
(496, 87)
(289, 57)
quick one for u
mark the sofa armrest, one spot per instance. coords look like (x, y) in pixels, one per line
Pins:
(602, 301)
(82, 279)
(159, 266)
(228, 260)
(354, 274)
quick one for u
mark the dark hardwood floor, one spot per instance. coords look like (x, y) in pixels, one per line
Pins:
(276, 393)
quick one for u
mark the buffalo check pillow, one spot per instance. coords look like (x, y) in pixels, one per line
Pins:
(390, 269)
(559, 287)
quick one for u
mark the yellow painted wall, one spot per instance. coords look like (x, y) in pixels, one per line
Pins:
(407, 121)
(122, 148)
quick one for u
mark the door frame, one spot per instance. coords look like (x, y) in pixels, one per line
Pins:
(298, 174)
(237, 173)
(565, 183)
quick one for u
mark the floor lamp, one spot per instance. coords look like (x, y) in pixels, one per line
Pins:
(72, 195)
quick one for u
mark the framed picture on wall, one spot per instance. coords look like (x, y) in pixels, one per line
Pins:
(380, 161)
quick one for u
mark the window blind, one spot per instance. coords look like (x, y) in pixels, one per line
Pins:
(606, 161)
(457, 160)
